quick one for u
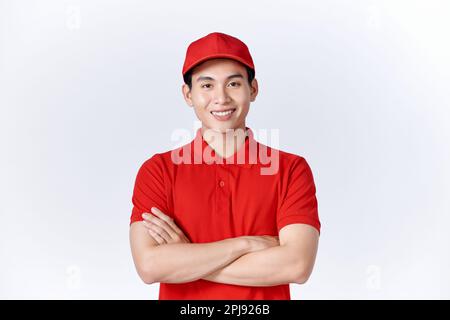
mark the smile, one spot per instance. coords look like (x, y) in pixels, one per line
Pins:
(223, 115)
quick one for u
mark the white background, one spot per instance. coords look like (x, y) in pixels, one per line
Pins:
(91, 89)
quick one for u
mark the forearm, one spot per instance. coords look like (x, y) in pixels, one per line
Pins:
(185, 262)
(268, 267)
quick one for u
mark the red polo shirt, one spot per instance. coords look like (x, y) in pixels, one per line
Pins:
(215, 201)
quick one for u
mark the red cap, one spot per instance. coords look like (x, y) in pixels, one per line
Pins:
(217, 45)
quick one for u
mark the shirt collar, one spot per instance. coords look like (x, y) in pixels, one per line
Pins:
(245, 156)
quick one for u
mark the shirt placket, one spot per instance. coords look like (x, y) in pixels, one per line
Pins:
(223, 194)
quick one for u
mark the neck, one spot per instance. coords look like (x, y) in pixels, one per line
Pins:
(225, 144)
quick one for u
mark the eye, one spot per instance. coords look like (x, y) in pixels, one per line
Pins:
(207, 84)
(237, 84)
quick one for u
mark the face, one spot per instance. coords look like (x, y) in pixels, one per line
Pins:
(220, 94)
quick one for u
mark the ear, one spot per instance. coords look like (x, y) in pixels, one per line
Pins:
(187, 94)
(253, 90)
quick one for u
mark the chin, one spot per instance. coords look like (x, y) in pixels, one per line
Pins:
(222, 128)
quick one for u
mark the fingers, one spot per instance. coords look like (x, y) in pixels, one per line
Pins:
(164, 226)
(157, 237)
(155, 221)
(166, 219)
(158, 230)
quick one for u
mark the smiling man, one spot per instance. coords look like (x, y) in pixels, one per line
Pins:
(215, 218)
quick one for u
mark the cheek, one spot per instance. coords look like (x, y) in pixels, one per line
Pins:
(201, 111)
(242, 97)
(244, 112)
(203, 99)
(243, 100)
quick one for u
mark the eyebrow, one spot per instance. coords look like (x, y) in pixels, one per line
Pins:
(236, 75)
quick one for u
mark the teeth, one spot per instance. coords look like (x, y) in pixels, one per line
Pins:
(223, 113)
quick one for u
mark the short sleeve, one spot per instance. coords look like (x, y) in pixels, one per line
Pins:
(149, 189)
(298, 203)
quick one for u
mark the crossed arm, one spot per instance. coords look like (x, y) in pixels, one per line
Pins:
(290, 262)
(233, 261)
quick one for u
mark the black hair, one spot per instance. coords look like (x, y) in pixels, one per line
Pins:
(187, 77)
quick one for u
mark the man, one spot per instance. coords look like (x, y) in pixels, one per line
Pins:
(214, 219)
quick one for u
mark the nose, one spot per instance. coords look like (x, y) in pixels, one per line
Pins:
(221, 96)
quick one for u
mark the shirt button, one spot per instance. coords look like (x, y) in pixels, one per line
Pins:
(221, 183)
